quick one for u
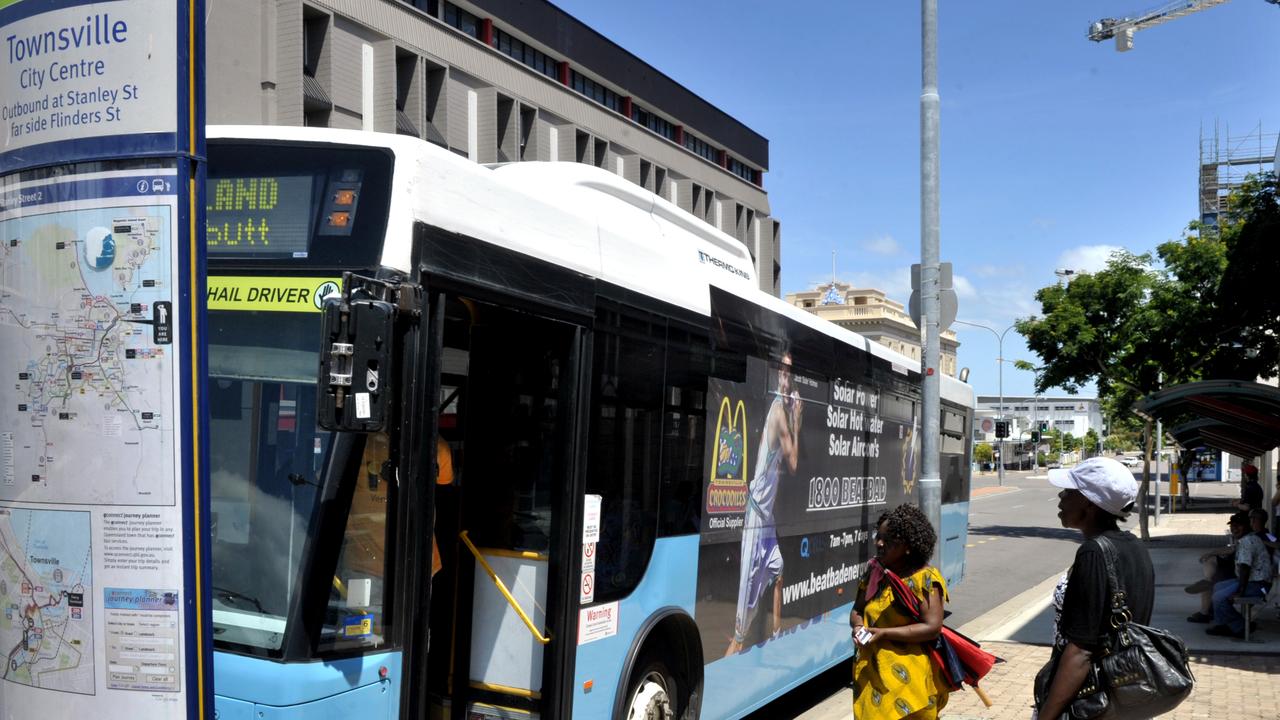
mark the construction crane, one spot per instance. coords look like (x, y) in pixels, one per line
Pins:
(1122, 29)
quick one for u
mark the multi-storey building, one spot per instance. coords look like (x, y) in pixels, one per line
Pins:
(495, 81)
(1074, 416)
(871, 314)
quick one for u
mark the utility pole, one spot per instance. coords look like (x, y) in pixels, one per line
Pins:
(1159, 453)
(930, 254)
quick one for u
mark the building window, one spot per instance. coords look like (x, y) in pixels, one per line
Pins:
(699, 147)
(601, 156)
(316, 103)
(521, 52)
(407, 89)
(595, 91)
(430, 7)
(462, 20)
(743, 171)
(652, 121)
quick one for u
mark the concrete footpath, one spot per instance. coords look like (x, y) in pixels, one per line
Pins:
(1234, 687)
(1234, 679)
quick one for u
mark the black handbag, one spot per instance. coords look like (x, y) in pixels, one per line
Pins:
(1139, 672)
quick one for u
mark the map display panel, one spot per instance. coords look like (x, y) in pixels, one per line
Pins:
(85, 353)
(46, 596)
(100, 343)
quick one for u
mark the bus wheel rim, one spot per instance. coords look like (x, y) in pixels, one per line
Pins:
(650, 701)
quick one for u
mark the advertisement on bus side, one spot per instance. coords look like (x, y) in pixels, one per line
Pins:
(800, 467)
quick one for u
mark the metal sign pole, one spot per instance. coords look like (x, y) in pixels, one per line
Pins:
(930, 169)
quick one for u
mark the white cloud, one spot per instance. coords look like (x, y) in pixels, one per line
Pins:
(964, 288)
(882, 245)
(990, 270)
(996, 305)
(1087, 258)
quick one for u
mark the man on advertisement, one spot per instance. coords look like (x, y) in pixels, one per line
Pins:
(761, 557)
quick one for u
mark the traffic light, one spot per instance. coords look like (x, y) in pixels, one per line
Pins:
(1002, 429)
(1035, 436)
(1044, 426)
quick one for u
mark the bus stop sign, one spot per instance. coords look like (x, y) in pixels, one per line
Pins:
(949, 303)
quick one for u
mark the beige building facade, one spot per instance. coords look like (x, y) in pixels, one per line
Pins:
(495, 81)
(871, 314)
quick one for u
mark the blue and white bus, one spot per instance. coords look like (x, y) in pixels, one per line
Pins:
(526, 441)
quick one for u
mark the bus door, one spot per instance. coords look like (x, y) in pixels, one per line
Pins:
(507, 418)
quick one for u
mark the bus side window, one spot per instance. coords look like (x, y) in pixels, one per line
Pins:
(683, 431)
(627, 402)
(955, 454)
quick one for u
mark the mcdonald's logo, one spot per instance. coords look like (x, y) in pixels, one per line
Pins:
(727, 492)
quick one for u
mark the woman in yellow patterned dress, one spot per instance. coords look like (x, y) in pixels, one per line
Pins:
(893, 675)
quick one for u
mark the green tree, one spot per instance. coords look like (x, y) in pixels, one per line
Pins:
(1068, 442)
(1090, 443)
(983, 453)
(1199, 307)
(1119, 442)
(1247, 307)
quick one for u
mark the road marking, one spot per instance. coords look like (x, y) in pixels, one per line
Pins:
(987, 492)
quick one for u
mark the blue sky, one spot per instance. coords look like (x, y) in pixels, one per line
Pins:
(1054, 149)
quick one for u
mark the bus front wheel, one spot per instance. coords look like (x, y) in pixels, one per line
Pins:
(652, 695)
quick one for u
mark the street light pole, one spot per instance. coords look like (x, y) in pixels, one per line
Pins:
(1000, 380)
(1035, 420)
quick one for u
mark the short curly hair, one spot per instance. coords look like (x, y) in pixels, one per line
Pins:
(908, 524)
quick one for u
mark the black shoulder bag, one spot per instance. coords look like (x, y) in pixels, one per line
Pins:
(1138, 672)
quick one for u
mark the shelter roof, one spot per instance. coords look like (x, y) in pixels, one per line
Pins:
(1238, 416)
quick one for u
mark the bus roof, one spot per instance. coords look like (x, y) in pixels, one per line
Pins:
(578, 216)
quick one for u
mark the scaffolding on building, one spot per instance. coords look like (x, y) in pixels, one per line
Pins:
(1226, 161)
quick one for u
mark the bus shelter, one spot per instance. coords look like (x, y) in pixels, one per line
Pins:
(1236, 416)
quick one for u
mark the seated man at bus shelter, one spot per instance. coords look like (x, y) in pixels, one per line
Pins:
(1217, 565)
(1253, 577)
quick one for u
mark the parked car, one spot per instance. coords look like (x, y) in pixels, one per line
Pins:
(1129, 461)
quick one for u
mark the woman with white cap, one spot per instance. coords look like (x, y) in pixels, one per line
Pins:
(1095, 496)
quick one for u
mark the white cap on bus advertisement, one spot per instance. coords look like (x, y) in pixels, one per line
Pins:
(1103, 481)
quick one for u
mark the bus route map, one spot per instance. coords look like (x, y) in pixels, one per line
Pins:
(46, 621)
(86, 356)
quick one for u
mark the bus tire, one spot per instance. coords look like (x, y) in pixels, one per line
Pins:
(652, 693)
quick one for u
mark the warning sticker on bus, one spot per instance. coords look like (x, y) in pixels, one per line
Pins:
(270, 294)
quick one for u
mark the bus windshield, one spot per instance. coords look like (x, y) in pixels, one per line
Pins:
(279, 219)
(266, 456)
